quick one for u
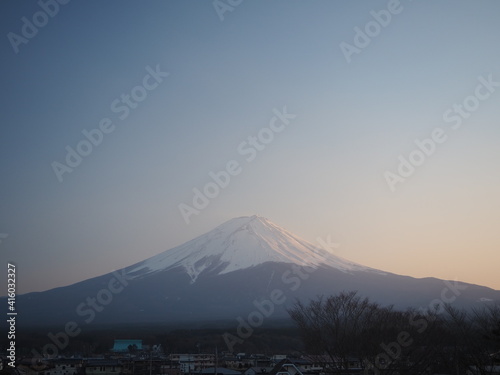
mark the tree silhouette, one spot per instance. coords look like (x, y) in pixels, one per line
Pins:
(132, 348)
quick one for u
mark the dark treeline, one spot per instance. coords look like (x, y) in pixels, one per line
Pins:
(444, 339)
(282, 337)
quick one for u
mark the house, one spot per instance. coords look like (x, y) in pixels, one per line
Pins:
(103, 367)
(277, 358)
(260, 360)
(326, 364)
(258, 370)
(192, 362)
(220, 371)
(58, 366)
(285, 367)
(306, 366)
(65, 366)
(139, 366)
(169, 370)
(231, 361)
(240, 361)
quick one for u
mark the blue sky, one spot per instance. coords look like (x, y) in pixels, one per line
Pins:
(323, 175)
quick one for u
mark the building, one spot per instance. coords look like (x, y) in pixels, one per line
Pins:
(127, 346)
(285, 367)
(103, 367)
(258, 371)
(58, 366)
(220, 371)
(189, 363)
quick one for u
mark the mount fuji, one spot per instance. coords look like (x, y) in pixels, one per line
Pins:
(226, 273)
(238, 244)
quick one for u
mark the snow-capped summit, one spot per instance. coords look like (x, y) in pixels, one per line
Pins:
(241, 243)
(230, 272)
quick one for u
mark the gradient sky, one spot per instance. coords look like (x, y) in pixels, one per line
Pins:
(322, 176)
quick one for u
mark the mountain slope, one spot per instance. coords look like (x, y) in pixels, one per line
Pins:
(224, 275)
(238, 244)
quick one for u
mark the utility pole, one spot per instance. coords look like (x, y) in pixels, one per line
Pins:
(215, 367)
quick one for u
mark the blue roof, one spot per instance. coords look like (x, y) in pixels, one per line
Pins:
(122, 345)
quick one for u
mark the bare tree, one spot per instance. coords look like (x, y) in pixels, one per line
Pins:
(340, 327)
(386, 341)
(472, 336)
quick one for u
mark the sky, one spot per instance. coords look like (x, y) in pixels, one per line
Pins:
(373, 122)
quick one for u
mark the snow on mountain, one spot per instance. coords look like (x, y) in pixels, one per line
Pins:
(241, 243)
(229, 269)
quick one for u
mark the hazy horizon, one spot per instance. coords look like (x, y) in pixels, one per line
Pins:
(117, 115)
